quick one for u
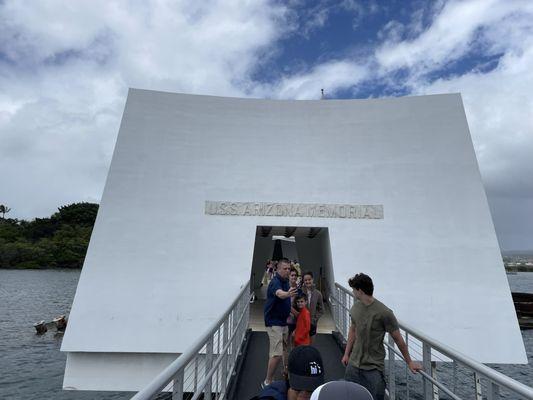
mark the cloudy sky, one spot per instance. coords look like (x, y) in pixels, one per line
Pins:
(65, 67)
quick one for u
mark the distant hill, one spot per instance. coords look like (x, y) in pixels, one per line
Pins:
(59, 241)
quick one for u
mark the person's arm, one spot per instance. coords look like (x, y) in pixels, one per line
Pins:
(282, 294)
(349, 344)
(398, 339)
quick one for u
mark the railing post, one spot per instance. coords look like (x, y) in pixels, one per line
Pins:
(335, 304)
(339, 311)
(426, 362)
(247, 318)
(434, 376)
(454, 376)
(493, 391)
(208, 366)
(392, 372)
(177, 386)
(335, 309)
(344, 330)
(234, 319)
(225, 336)
(477, 383)
(195, 373)
(407, 368)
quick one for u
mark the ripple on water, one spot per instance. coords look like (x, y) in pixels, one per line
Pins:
(32, 366)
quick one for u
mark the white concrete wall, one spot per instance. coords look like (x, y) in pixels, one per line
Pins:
(434, 257)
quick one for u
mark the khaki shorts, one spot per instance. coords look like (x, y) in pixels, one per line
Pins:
(277, 337)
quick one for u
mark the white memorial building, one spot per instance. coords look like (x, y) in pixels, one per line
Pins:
(199, 184)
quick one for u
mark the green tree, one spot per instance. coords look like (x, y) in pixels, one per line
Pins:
(10, 230)
(58, 241)
(4, 210)
(40, 228)
(19, 254)
(71, 244)
(77, 214)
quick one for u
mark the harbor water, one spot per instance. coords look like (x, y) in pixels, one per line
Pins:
(31, 366)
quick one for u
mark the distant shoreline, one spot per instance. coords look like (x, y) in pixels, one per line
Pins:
(519, 268)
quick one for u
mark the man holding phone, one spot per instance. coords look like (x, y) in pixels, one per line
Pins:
(277, 310)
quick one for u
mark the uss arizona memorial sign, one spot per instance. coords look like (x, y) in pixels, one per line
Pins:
(304, 210)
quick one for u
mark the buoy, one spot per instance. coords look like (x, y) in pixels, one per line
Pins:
(61, 323)
(40, 327)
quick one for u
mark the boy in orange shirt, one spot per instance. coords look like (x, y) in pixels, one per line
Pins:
(303, 322)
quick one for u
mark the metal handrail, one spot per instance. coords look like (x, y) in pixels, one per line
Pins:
(429, 377)
(210, 374)
(161, 381)
(481, 369)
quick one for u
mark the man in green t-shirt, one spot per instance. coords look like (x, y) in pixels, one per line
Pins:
(364, 356)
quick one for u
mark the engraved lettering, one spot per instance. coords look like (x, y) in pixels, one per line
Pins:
(341, 213)
(223, 209)
(294, 210)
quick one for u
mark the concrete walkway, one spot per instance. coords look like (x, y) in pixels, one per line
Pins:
(253, 370)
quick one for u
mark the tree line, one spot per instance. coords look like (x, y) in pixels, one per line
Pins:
(59, 241)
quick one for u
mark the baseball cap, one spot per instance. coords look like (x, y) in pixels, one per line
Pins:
(306, 371)
(341, 390)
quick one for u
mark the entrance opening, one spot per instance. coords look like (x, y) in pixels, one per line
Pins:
(309, 246)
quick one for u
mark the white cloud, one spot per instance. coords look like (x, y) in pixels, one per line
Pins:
(498, 103)
(331, 76)
(498, 106)
(65, 69)
(453, 32)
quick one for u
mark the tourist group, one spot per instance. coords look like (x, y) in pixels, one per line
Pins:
(292, 310)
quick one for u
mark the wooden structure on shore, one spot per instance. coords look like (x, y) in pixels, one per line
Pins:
(523, 303)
